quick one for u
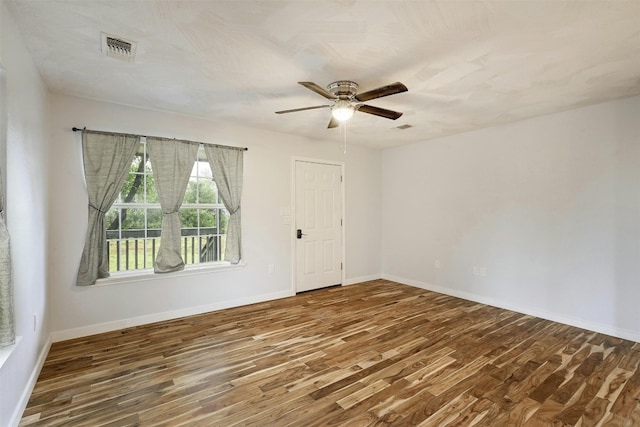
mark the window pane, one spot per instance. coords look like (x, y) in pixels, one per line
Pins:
(133, 222)
(207, 190)
(112, 250)
(112, 223)
(204, 170)
(133, 189)
(151, 251)
(191, 194)
(188, 219)
(209, 248)
(224, 220)
(154, 222)
(131, 254)
(152, 193)
(208, 221)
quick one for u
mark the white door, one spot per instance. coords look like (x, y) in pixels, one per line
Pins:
(318, 216)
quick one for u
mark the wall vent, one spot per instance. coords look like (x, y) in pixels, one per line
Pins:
(404, 127)
(117, 47)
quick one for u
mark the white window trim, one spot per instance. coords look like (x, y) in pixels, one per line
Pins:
(131, 276)
(5, 352)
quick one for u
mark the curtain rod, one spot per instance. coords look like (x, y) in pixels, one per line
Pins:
(75, 129)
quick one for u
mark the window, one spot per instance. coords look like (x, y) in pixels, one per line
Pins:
(134, 221)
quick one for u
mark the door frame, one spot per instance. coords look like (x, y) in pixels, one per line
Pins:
(292, 233)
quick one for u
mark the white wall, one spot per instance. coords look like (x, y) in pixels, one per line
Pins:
(77, 311)
(364, 201)
(549, 206)
(27, 154)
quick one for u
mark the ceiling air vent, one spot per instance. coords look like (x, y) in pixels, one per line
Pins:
(404, 127)
(117, 47)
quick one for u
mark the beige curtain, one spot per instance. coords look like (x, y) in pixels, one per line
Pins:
(172, 162)
(7, 319)
(107, 161)
(226, 165)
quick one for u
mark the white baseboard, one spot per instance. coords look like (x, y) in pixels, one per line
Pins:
(554, 317)
(354, 280)
(26, 393)
(167, 315)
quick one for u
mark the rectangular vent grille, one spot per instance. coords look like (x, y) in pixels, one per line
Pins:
(117, 47)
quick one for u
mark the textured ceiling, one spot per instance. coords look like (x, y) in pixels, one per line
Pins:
(467, 65)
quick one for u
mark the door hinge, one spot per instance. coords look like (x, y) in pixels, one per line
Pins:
(340, 222)
(340, 266)
(340, 178)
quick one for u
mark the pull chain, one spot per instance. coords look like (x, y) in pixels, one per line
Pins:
(345, 138)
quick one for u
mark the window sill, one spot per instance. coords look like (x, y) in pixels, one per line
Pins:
(147, 275)
(5, 352)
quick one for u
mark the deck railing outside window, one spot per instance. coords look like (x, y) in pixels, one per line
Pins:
(135, 252)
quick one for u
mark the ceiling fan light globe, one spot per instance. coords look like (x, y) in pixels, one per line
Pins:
(342, 111)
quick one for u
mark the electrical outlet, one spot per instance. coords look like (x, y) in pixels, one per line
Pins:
(476, 270)
(437, 263)
(272, 268)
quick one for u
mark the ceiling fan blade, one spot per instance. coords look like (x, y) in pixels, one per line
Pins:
(333, 123)
(377, 111)
(302, 109)
(317, 89)
(387, 90)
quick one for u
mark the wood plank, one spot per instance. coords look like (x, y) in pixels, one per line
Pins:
(627, 401)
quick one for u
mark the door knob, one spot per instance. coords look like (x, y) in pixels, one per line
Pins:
(299, 234)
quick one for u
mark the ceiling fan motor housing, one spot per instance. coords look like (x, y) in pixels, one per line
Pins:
(343, 89)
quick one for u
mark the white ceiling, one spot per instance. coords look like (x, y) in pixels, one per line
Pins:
(467, 64)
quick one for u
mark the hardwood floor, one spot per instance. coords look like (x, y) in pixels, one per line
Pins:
(378, 353)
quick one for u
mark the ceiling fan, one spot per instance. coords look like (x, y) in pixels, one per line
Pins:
(347, 100)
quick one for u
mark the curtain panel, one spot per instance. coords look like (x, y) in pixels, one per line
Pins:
(107, 161)
(7, 320)
(172, 162)
(226, 165)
